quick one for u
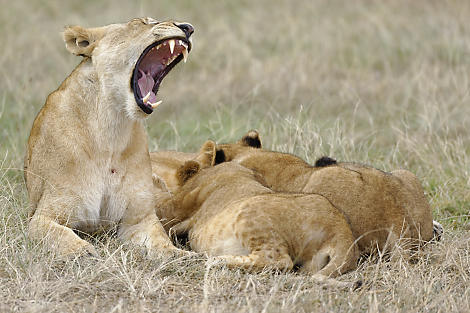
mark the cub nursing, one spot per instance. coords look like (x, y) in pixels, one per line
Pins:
(383, 208)
(228, 212)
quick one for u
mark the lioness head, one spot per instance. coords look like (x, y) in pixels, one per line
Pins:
(131, 59)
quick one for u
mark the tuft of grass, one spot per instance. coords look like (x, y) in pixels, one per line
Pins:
(380, 82)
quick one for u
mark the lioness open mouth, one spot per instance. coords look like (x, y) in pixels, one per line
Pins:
(154, 63)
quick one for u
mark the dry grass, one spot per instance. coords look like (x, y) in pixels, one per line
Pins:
(380, 82)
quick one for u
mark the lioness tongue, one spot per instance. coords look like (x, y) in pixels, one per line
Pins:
(146, 84)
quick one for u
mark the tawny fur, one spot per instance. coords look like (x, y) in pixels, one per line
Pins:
(87, 165)
(164, 167)
(228, 212)
(383, 208)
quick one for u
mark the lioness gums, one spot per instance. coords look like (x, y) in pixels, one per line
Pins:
(87, 165)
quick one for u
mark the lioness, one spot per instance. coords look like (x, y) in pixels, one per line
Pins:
(228, 212)
(87, 165)
(382, 207)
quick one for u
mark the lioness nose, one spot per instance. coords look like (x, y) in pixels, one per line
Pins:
(187, 28)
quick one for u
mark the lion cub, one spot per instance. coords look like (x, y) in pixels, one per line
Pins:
(87, 165)
(164, 166)
(228, 212)
(383, 208)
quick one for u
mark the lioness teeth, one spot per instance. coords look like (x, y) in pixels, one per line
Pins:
(171, 43)
(156, 104)
(146, 98)
(185, 54)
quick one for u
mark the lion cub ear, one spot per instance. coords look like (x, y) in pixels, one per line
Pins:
(188, 170)
(219, 157)
(81, 41)
(207, 154)
(251, 139)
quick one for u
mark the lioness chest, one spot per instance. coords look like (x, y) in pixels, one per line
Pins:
(106, 195)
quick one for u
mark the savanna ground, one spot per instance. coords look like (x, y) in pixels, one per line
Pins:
(379, 82)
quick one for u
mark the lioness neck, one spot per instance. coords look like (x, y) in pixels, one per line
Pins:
(85, 99)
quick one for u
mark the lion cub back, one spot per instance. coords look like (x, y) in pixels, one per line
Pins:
(237, 217)
(382, 207)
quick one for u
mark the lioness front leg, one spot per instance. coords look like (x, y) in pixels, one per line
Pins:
(53, 230)
(145, 230)
(140, 224)
(58, 237)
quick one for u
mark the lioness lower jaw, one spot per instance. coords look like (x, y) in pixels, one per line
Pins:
(155, 62)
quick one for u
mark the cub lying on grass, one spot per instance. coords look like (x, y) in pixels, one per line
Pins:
(87, 166)
(165, 165)
(383, 208)
(228, 212)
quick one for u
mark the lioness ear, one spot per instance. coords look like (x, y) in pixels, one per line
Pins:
(188, 170)
(207, 154)
(251, 139)
(81, 41)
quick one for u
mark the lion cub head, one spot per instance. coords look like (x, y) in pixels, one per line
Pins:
(251, 141)
(199, 181)
(176, 201)
(131, 59)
